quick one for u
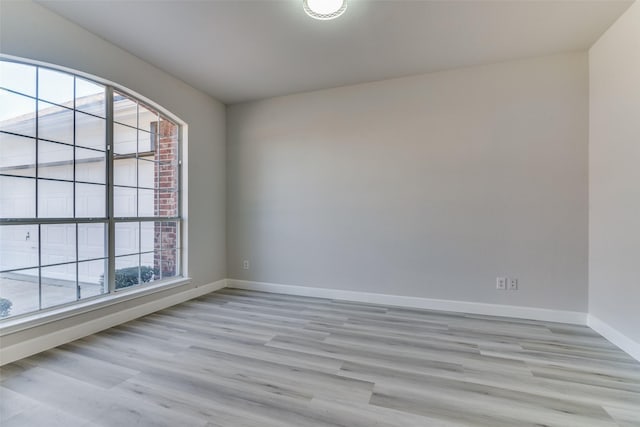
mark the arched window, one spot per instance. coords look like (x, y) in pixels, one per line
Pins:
(89, 189)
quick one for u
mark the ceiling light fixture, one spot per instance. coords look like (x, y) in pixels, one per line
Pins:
(324, 9)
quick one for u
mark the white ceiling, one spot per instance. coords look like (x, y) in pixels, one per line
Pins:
(241, 50)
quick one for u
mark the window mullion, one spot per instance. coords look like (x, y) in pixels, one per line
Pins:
(179, 241)
(111, 248)
(75, 187)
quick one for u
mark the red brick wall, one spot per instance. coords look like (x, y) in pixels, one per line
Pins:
(166, 199)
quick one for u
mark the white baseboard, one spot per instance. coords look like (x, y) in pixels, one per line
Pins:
(629, 346)
(44, 342)
(533, 313)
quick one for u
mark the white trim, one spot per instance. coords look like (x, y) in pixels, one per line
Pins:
(629, 346)
(184, 191)
(534, 313)
(44, 342)
(22, 322)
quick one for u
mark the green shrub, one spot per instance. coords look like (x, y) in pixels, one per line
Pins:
(126, 277)
(5, 307)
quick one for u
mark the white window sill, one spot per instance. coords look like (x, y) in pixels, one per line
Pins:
(13, 325)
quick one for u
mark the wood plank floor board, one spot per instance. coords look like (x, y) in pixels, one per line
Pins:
(579, 351)
(379, 416)
(316, 383)
(113, 354)
(13, 369)
(462, 391)
(303, 310)
(408, 344)
(216, 414)
(624, 417)
(263, 314)
(533, 358)
(142, 341)
(321, 363)
(587, 378)
(239, 358)
(87, 403)
(407, 355)
(580, 393)
(441, 336)
(100, 373)
(46, 416)
(383, 357)
(255, 315)
(12, 403)
(221, 323)
(285, 408)
(194, 329)
(480, 410)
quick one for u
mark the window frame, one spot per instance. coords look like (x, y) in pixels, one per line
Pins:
(110, 293)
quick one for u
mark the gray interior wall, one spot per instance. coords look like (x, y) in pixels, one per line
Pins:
(427, 186)
(614, 176)
(31, 31)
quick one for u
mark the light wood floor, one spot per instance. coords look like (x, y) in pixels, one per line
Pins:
(240, 358)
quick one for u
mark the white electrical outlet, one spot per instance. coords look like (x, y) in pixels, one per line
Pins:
(501, 283)
(513, 284)
(245, 264)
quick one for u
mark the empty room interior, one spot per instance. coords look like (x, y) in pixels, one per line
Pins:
(289, 213)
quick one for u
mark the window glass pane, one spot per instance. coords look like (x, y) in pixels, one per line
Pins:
(17, 113)
(22, 290)
(18, 77)
(58, 284)
(18, 246)
(17, 197)
(55, 160)
(147, 119)
(147, 267)
(55, 86)
(125, 110)
(90, 201)
(167, 258)
(124, 139)
(90, 165)
(55, 123)
(17, 155)
(127, 238)
(148, 236)
(167, 202)
(90, 131)
(169, 235)
(91, 278)
(167, 148)
(167, 176)
(168, 172)
(146, 141)
(146, 203)
(169, 262)
(55, 199)
(127, 271)
(57, 243)
(168, 129)
(91, 241)
(124, 202)
(90, 97)
(146, 173)
(124, 171)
